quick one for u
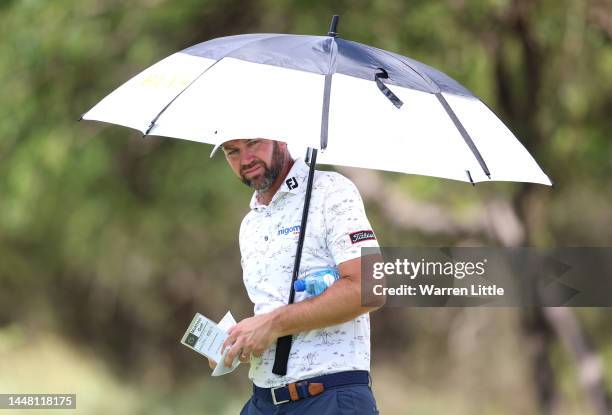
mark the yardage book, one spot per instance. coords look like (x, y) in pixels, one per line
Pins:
(206, 337)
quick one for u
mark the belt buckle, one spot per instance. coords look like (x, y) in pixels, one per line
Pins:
(274, 396)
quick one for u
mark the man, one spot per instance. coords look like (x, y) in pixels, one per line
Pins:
(328, 368)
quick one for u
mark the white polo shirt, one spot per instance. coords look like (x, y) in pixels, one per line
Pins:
(337, 229)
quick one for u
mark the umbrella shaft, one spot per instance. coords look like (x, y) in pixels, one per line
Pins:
(283, 344)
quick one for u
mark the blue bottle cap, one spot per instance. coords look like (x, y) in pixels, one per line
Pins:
(299, 285)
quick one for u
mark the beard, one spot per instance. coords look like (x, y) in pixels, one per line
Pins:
(262, 182)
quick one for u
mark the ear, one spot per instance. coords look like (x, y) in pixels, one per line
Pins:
(283, 146)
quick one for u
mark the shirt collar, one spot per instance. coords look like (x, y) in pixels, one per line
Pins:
(295, 183)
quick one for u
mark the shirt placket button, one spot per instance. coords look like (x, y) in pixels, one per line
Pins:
(266, 228)
(268, 224)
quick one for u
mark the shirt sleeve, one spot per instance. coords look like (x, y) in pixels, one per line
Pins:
(347, 226)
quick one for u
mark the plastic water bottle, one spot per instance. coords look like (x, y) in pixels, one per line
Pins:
(317, 282)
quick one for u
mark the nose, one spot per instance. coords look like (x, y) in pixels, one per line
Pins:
(246, 156)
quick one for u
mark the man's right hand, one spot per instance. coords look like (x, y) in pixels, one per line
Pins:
(213, 364)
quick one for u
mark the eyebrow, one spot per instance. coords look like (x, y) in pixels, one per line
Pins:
(231, 147)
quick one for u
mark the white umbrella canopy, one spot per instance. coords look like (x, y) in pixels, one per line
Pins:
(325, 93)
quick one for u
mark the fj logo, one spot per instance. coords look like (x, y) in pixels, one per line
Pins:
(291, 183)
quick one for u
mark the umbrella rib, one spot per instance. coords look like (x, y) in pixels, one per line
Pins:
(466, 136)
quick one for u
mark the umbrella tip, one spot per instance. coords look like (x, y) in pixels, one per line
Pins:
(470, 177)
(149, 129)
(333, 27)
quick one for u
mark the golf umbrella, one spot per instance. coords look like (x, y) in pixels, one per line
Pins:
(359, 105)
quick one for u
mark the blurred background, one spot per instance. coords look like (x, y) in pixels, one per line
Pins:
(109, 243)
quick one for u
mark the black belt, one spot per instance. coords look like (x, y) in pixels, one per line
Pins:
(311, 386)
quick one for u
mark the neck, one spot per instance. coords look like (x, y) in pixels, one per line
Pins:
(266, 196)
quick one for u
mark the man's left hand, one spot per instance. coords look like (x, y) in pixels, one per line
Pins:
(252, 335)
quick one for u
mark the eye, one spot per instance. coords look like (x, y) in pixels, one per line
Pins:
(252, 143)
(231, 152)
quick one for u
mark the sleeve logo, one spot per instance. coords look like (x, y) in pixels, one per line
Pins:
(361, 236)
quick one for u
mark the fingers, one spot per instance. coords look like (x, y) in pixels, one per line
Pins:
(231, 329)
(229, 342)
(235, 350)
(212, 363)
(244, 340)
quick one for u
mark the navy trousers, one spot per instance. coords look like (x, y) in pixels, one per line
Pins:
(344, 400)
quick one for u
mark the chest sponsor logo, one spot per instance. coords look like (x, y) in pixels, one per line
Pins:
(290, 230)
(361, 236)
(291, 183)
